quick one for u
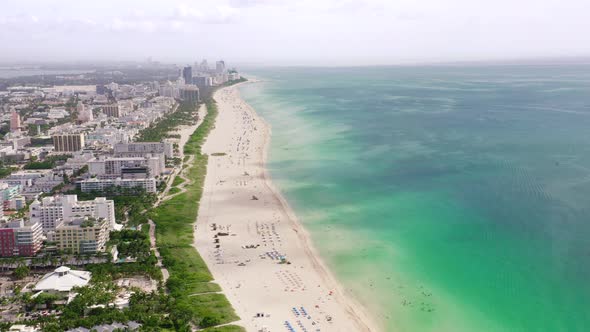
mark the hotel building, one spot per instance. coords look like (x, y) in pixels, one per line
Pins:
(84, 235)
(51, 209)
(68, 142)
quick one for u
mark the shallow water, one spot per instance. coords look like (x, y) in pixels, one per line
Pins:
(443, 198)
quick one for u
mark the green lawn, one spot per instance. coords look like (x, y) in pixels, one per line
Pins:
(174, 233)
(177, 181)
(173, 191)
(226, 328)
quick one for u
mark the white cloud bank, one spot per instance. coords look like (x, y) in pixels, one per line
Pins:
(292, 32)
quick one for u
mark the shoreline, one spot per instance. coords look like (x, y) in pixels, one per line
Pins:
(334, 311)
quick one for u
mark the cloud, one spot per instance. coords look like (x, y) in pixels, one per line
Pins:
(381, 31)
(215, 15)
(118, 24)
(248, 3)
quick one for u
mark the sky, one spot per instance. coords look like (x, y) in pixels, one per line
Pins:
(306, 32)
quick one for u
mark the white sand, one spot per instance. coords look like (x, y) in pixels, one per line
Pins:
(254, 282)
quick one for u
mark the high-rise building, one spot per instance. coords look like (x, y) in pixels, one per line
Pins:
(189, 93)
(68, 142)
(204, 67)
(66, 207)
(14, 121)
(220, 67)
(187, 74)
(112, 110)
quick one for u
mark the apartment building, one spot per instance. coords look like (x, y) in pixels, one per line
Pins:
(68, 142)
(139, 149)
(100, 185)
(114, 167)
(20, 238)
(67, 207)
(83, 235)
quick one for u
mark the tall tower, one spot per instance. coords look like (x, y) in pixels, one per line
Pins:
(204, 66)
(14, 121)
(220, 67)
(187, 74)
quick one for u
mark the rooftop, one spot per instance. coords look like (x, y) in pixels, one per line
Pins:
(63, 279)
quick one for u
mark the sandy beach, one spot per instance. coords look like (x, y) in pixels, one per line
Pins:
(255, 247)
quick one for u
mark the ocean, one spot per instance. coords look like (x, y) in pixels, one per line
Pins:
(443, 198)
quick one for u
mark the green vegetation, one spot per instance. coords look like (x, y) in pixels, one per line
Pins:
(47, 163)
(218, 154)
(239, 80)
(135, 245)
(226, 328)
(39, 165)
(177, 181)
(5, 170)
(32, 130)
(184, 114)
(131, 243)
(47, 299)
(21, 272)
(130, 204)
(146, 267)
(190, 280)
(36, 141)
(174, 191)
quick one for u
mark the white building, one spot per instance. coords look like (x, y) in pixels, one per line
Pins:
(78, 160)
(27, 178)
(62, 280)
(128, 167)
(66, 207)
(138, 149)
(107, 136)
(147, 184)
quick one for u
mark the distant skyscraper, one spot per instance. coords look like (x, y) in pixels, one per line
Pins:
(220, 67)
(204, 66)
(187, 74)
(14, 121)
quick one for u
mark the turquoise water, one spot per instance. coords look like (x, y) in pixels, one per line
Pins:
(443, 198)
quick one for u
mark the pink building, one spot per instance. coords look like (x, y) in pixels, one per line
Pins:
(14, 121)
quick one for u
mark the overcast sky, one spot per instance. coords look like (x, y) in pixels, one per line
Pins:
(293, 32)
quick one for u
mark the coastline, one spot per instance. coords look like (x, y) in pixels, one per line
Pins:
(333, 310)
